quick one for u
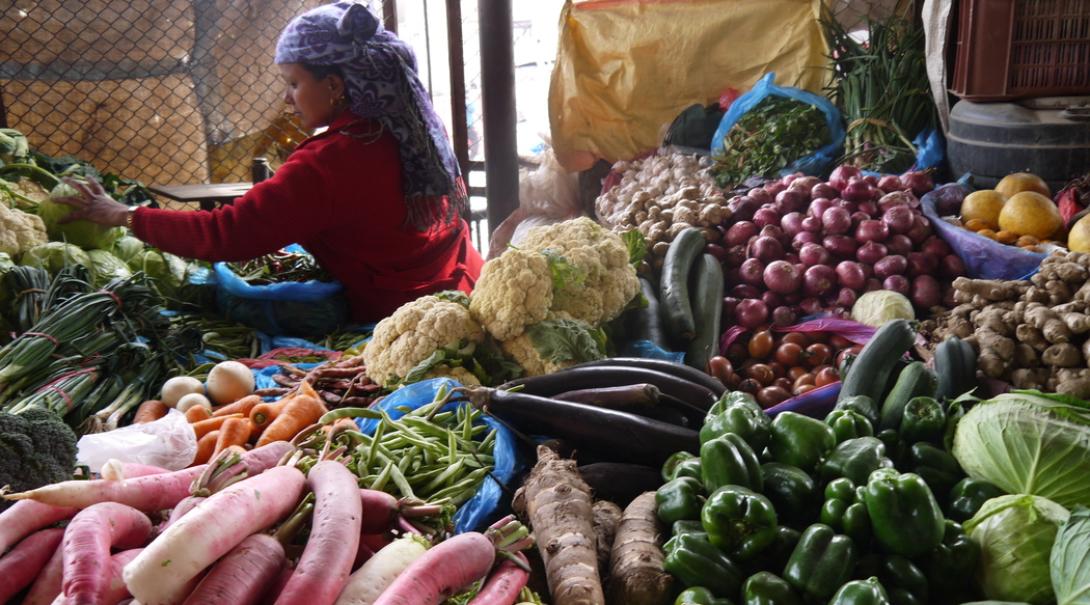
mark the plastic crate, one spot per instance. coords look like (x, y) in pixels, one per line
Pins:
(1010, 49)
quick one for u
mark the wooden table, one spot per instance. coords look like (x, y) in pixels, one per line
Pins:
(207, 195)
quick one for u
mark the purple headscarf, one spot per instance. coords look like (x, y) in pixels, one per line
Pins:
(382, 84)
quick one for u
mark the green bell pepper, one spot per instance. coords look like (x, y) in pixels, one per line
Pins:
(849, 424)
(968, 496)
(740, 521)
(800, 441)
(821, 563)
(669, 468)
(900, 596)
(698, 595)
(861, 592)
(952, 565)
(689, 468)
(898, 575)
(895, 446)
(695, 561)
(680, 500)
(728, 460)
(738, 414)
(861, 404)
(855, 459)
(905, 518)
(776, 555)
(938, 468)
(955, 411)
(845, 513)
(791, 491)
(765, 588)
(688, 526)
(923, 419)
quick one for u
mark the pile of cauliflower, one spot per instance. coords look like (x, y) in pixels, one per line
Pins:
(20, 231)
(540, 305)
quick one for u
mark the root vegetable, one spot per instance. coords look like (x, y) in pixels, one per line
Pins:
(993, 319)
(505, 583)
(47, 586)
(993, 343)
(116, 591)
(1050, 324)
(636, 574)
(229, 381)
(1025, 356)
(442, 571)
(180, 510)
(243, 575)
(375, 576)
(116, 470)
(1063, 355)
(559, 506)
(19, 567)
(606, 517)
(87, 543)
(26, 517)
(178, 387)
(148, 493)
(1031, 336)
(988, 289)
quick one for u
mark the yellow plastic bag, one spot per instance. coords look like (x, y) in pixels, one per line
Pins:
(626, 68)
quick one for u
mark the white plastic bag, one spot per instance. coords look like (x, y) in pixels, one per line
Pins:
(168, 442)
(547, 195)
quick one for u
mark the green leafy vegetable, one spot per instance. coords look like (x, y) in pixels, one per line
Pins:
(84, 234)
(1070, 561)
(128, 247)
(637, 246)
(454, 296)
(564, 340)
(1016, 534)
(54, 256)
(106, 266)
(563, 272)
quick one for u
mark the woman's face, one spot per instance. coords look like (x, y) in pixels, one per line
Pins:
(315, 101)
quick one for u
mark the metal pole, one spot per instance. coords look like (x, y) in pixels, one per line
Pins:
(389, 15)
(498, 109)
(459, 126)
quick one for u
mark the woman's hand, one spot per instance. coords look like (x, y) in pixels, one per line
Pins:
(93, 204)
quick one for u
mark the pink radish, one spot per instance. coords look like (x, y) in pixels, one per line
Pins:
(381, 570)
(19, 567)
(116, 470)
(183, 507)
(48, 584)
(369, 545)
(243, 575)
(87, 543)
(505, 584)
(26, 517)
(115, 587)
(158, 576)
(148, 493)
(442, 571)
(228, 467)
(379, 511)
(326, 562)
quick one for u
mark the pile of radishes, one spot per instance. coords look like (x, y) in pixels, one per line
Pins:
(799, 246)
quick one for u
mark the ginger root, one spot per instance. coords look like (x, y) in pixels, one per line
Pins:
(1063, 355)
(1049, 323)
(1031, 336)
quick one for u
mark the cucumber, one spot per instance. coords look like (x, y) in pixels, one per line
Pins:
(707, 311)
(916, 380)
(871, 369)
(677, 311)
(968, 357)
(647, 321)
(955, 365)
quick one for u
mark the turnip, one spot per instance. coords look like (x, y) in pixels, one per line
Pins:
(19, 567)
(926, 292)
(766, 216)
(813, 254)
(899, 244)
(920, 263)
(243, 575)
(210, 531)
(791, 223)
(178, 387)
(899, 219)
(850, 275)
(842, 174)
(836, 221)
(192, 400)
(376, 575)
(766, 249)
(890, 183)
(871, 231)
(819, 280)
(952, 266)
(93, 532)
(229, 381)
(871, 252)
(740, 233)
(26, 517)
(896, 283)
(841, 246)
(895, 264)
(752, 272)
(751, 313)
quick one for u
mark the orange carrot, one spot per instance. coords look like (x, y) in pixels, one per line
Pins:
(197, 413)
(205, 446)
(204, 427)
(150, 411)
(235, 431)
(302, 412)
(263, 414)
(242, 406)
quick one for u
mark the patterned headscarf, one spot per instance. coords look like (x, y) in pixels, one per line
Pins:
(382, 84)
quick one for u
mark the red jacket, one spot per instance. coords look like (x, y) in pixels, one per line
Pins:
(340, 197)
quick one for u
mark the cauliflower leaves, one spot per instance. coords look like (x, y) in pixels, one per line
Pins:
(555, 344)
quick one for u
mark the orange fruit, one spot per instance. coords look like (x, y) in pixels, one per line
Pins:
(1006, 237)
(988, 233)
(983, 206)
(1016, 183)
(1030, 213)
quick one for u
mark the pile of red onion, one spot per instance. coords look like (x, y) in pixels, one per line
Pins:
(799, 246)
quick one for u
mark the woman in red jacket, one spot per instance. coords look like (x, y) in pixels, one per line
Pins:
(377, 198)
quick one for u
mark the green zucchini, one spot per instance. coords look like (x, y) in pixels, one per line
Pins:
(916, 380)
(647, 321)
(871, 369)
(968, 358)
(707, 311)
(956, 371)
(677, 311)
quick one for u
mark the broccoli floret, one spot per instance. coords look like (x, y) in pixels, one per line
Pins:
(36, 448)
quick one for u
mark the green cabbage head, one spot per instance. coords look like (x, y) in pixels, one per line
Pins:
(84, 234)
(53, 256)
(127, 247)
(107, 267)
(882, 306)
(1015, 535)
(168, 271)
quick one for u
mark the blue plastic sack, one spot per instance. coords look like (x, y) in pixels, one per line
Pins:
(983, 258)
(930, 149)
(477, 512)
(650, 350)
(815, 164)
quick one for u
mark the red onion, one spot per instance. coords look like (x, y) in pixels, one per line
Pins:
(806, 182)
(896, 198)
(891, 265)
(719, 252)
(766, 216)
(897, 283)
(813, 254)
(920, 263)
(868, 270)
(805, 237)
(824, 190)
(948, 200)
(921, 230)
(836, 221)
(935, 246)
(811, 224)
(871, 231)
(840, 245)
(858, 217)
(745, 291)
(870, 208)
(766, 249)
(729, 305)
(926, 292)
(952, 266)
(873, 283)
(731, 275)
(842, 174)
(783, 316)
(871, 180)
(810, 306)
(871, 252)
(858, 190)
(762, 196)
(791, 223)
(819, 280)
(751, 313)
(752, 272)
(792, 200)
(771, 231)
(890, 183)
(850, 275)
(736, 255)
(742, 208)
(919, 182)
(771, 299)
(791, 257)
(899, 219)
(780, 277)
(819, 205)
(792, 299)
(845, 298)
(790, 178)
(899, 244)
(740, 233)
(774, 188)
(845, 204)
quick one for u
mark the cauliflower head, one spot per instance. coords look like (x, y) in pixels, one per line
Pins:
(458, 373)
(555, 344)
(600, 257)
(515, 289)
(426, 328)
(20, 231)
